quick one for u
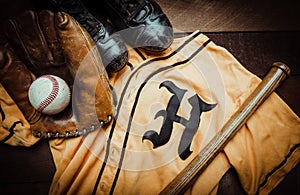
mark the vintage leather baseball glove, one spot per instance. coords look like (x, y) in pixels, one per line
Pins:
(43, 43)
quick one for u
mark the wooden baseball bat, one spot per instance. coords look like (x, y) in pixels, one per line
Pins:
(277, 73)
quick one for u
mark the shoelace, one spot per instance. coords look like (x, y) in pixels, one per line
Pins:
(67, 134)
(133, 9)
(77, 10)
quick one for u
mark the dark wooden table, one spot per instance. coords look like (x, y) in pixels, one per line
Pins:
(257, 33)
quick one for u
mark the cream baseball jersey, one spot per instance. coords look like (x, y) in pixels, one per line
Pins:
(168, 107)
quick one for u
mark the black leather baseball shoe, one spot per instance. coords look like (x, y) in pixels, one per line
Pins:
(111, 45)
(142, 23)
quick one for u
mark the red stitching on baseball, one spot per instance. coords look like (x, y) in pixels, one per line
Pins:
(51, 96)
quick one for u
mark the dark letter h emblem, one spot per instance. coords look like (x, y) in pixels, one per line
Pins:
(170, 116)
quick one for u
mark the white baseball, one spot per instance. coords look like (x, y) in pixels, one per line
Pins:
(49, 94)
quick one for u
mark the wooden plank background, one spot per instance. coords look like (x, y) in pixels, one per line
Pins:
(256, 32)
(232, 15)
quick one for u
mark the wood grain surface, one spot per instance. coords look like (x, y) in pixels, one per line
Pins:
(232, 15)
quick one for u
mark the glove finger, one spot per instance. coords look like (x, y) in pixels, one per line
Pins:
(91, 92)
(35, 41)
(16, 79)
(57, 63)
(48, 28)
(27, 40)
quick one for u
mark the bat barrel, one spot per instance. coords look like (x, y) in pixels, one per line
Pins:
(277, 73)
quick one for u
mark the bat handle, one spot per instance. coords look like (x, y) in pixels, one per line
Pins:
(278, 72)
